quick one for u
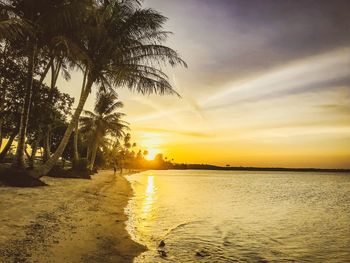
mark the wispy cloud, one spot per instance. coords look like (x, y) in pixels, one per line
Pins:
(176, 132)
(300, 76)
(336, 108)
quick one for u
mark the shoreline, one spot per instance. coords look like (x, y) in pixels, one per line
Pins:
(71, 220)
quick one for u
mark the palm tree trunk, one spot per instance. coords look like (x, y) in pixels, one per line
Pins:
(76, 132)
(7, 146)
(93, 157)
(3, 92)
(55, 70)
(32, 156)
(26, 151)
(47, 148)
(19, 158)
(1, 122)
(47, 166)
(46, 70)
(88, 153)
(75, 145)
(2, 117)
(35, 147)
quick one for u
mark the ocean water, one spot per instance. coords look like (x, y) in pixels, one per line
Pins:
(233, 216)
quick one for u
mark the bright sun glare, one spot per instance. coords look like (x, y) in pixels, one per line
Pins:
(152, 142)
(151, 154)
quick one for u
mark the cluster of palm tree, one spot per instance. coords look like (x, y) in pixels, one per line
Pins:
(114, 43)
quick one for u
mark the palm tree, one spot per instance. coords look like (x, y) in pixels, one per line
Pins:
(124, 45)
(102, 122)
(42, 24)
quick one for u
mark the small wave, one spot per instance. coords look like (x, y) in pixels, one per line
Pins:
(181, 226)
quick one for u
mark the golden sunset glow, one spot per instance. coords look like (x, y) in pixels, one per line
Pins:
(163, 131)
(151, 154)
(252, 98)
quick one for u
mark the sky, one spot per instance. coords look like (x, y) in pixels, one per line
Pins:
(268, 84)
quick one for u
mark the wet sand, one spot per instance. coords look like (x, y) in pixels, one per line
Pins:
(71, 220)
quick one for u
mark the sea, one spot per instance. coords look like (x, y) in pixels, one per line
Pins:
(240, 216)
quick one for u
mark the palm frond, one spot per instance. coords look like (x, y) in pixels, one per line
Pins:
(14, 29)
(90, 114)
(113, 107)
(153, 52)
(65, 72)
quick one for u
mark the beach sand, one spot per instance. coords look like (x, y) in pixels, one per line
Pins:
(71, 220)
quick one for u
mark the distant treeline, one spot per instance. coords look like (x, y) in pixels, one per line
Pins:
(240, 168)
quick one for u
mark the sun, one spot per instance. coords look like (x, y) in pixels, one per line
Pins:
(151, 154)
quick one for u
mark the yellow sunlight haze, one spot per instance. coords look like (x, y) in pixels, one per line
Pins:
(151, 154)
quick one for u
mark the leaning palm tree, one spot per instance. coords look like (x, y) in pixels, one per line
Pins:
(124, 44)
(104, 121)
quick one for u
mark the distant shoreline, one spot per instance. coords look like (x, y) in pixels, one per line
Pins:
(255, 169)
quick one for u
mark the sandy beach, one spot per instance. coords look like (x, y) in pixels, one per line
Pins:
(71, 220)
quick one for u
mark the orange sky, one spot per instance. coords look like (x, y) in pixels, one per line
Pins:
(260, 90)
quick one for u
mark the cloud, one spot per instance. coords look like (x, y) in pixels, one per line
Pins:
(177, 132)
(296, 77)
(227, 40)
(336, 108)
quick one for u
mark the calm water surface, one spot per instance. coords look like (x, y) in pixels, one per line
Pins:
(241, 216)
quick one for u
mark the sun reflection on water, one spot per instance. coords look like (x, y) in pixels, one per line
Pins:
(150, 184)
(149, 198)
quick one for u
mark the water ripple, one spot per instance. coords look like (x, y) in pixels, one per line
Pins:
(241, 217)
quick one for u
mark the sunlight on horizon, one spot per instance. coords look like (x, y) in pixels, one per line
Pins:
(151, 154)
(152, 142)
